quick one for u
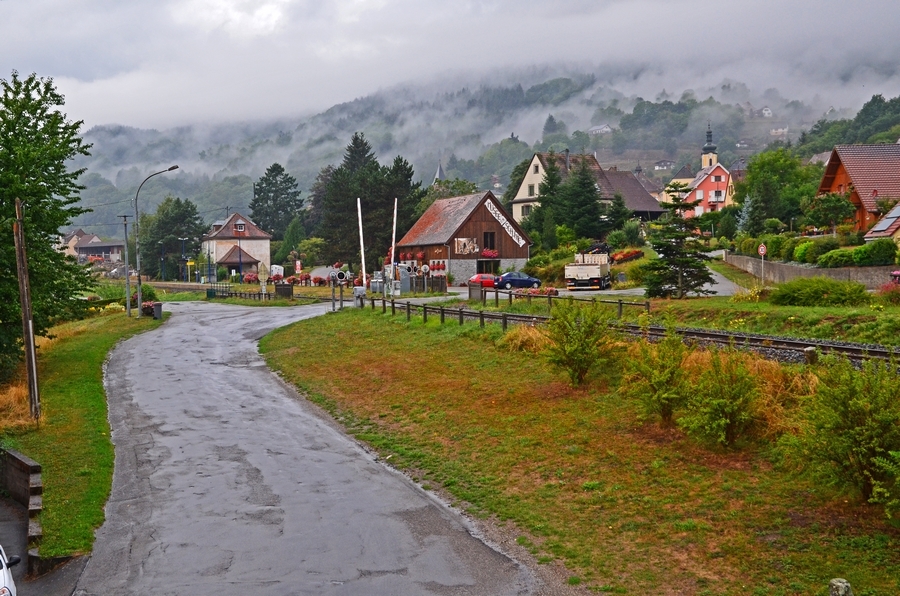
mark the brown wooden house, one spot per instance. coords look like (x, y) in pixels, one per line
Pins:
(465, 235)
(868, 174)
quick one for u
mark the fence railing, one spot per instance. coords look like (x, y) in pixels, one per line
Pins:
(512, 295)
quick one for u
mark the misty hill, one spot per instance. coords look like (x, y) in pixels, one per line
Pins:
(478, 133)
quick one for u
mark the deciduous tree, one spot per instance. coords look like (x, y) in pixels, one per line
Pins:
(36, 143)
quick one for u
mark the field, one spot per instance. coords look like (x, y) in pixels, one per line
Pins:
(629, 507)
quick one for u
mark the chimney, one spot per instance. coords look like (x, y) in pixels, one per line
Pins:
(567, 160)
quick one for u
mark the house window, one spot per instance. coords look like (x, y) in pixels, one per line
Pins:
(531, 190)
(717, 178)
(239, 227)
(536, 170)
(489, 239)
(492, 266)
(700, 194)
(718, 195)
(526, 210)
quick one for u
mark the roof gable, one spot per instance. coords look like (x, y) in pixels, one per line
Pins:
(444, 217)
(874, 171)
(229, 229)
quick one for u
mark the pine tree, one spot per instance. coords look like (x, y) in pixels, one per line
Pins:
(293, 235)
(680, 268)
(276, 201)
(614, 215)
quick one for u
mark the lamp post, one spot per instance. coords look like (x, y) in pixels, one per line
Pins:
(208, 263)
(184, 273)
(162, 260)
(127, 267)
(137, 236)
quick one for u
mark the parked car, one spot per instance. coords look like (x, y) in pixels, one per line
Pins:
(485, 280)
(7, 585)
(516, 279)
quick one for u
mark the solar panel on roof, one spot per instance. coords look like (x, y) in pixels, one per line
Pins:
(884, 224)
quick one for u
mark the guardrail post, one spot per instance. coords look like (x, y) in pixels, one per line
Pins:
(528, 298)
(510, 296)
(424, 314)
(483, 296)
(481, 318)
(620, 309)
(407, 311)
(383, 305)
(442, 315)
(373, 303)
(496, 297)
(460, 316)
(503, 321)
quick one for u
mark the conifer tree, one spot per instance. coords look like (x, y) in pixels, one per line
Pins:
(276, 201)
(580, 199)
(680, 268)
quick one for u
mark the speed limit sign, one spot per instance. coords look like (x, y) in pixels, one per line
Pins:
(761, 250)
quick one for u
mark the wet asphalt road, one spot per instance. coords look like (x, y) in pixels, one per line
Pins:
(227, 483)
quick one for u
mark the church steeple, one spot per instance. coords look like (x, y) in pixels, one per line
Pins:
(709, 157)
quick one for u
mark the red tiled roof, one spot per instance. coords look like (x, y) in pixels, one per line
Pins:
(229, 230)
(874, 171)
(439, 222)
(232, 257)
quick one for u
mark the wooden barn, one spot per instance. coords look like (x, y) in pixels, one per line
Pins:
(462, 236)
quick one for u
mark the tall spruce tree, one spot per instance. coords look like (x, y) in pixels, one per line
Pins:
(680, 268)
(174, 218)
(276, 201)
(37, 143)
(548, 201)
(580, 200)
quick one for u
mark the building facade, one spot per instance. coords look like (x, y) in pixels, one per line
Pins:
(237, 244)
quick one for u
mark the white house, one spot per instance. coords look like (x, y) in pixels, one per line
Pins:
(237, 244)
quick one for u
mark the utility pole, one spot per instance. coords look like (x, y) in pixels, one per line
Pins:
(127, 268)
(34, 397)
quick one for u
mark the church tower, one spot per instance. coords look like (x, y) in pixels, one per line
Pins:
(709, 157)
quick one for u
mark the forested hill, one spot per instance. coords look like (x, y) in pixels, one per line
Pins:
(478, 133)
(877, 122)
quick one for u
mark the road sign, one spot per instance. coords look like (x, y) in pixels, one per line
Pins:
(761, 250)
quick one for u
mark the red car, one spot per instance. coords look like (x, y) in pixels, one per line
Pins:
(485, 280)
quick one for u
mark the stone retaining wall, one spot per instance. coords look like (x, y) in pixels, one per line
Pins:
(20, 476)
(778, 272)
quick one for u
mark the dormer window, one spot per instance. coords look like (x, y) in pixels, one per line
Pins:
(239, 227)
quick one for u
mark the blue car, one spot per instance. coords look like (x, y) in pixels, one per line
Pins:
(516, 279)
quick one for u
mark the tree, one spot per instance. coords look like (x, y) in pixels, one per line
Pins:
(681, 266)
(581, 200)
(360, 176)
(829, 209)
(727, 226)
(174, 218)
(441, 189)
(752, 218)
(515, 181)
(276, 201)
(317, 200)
(36, 142)
(614, 214)
(292, 237)
(779, 182)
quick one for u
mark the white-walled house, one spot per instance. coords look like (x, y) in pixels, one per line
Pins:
(237, 244)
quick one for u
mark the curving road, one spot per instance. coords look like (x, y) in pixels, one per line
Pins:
(227, 483)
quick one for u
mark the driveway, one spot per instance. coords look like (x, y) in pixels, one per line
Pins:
(227, 483)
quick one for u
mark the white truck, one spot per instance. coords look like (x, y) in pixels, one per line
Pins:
(590, 271)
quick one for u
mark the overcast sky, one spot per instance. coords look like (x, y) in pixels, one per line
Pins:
(167, 62)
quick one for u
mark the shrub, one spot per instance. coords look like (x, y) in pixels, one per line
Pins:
(862, 255)
(720, 408)
(538, 261)
(617, 239)
(837, 258)
(749, 246)
(888, 491)
(221, 273)
(563, 252)
(632, 230)
(773, 244)
(773, 225)
(853, 418)
(819, 291)
(110, 291)
(754, 294)
(148, 294)
(801, 250)
(787, 249)
(656, 376)
(889, 293)
(883, 251)
(580, 339)
(819, 247)
(635, 273)
(524, 338)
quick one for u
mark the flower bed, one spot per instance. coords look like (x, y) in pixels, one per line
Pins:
(623, 256)
(251, 278)
(542, 291)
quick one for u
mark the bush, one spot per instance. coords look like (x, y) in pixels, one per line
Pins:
(883, 251)
(749, 246)
(148, 294)
(853, 418)
(221, 274)
(720, 408)
(632, 230)
(819, 247)
(801, 250)
(862, 255)
(563, 252)
(820, 291)
(837, 258)
(787, 249)
(773, 225)
(888, 492)
(538, 261)
(656, 377)
(617, 239)
(889, 293)
(773, 244)
(580, 339)
(635, 273)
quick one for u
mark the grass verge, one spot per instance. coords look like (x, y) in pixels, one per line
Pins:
(733, 274)
(629, 507)
(72, 443)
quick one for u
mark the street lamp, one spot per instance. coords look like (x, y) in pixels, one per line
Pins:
(162, 260)
(183, 260)
(137, 236)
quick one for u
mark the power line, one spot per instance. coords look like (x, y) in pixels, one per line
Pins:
(105, 204)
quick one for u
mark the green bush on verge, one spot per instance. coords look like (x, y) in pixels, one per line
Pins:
(580, 339)
(719, 410)
(888, 493)
(853, 418)
(657, 377)
(837, 258)
(801, 250)
(820, 291)
(883, 251)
